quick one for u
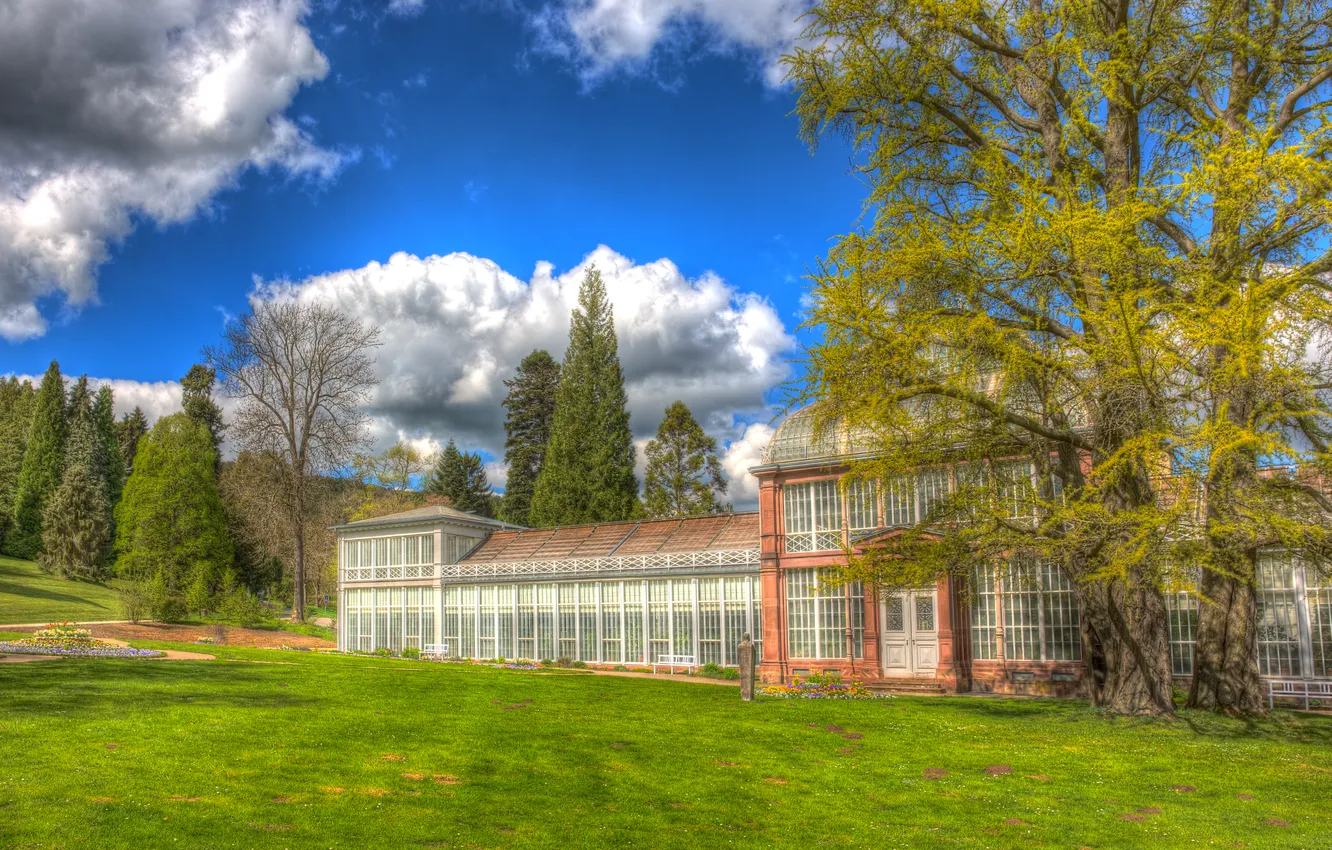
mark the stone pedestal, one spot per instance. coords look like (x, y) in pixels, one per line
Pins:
(745, 654)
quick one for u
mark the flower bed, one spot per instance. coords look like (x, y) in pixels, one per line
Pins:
(69, 639)
(820, 687)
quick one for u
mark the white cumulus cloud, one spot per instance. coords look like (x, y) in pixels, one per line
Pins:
(116, 110)
(602, 36)
(740, 455)
(454, 327)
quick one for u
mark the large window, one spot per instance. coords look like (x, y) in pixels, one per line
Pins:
(410, 550)
(817, 615)
(1278, 617)
(813, 512)
(1037, 606)
(391, 618)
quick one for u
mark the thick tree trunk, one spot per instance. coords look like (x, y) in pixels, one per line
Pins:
(1129, 652)
(1225, 650)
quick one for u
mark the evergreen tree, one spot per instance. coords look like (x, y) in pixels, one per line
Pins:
(530, 407)
(197, 402)
(43, 465)
(684, 476)
(80, 400)
(104, 418)
(461, 476)
(588, 471)
(170, 525)
(76, 519)
(16, 404)
(129, 430)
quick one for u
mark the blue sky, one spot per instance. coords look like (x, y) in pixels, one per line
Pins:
(497, 130)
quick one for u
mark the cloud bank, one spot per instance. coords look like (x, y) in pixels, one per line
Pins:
(113, 111)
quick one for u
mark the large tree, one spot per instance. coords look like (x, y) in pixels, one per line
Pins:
(171, 529)
(301, 374)
(104, 418)
(461, 477)
(17, 399)
(396, 468)
(129, 430)
(196, 397)
(588, 472)
(43, 465)
(1096, 234)
(529, 415)
(76, 519)
(684, 475)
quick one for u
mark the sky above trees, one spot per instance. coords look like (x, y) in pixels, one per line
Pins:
(445, 170)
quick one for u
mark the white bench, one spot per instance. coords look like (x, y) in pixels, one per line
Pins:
(673, 661)
(435, 650)
(1297, 688)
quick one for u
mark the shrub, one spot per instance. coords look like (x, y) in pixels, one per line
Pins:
(411, 652)
(382, 652)
(620, 668)
(546, 662)
(133, 601)
(243, 608)
(564, 661)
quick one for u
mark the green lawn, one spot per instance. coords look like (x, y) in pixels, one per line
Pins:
(322, 751)
(28, 595)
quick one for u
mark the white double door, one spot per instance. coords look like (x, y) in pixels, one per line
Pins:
(910, 633)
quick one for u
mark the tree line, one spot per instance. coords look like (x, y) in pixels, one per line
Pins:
(91, 498)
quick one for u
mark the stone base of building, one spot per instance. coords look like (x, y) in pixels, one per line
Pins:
(1044, 679)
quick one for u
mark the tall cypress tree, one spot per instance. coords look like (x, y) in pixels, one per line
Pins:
(684, 475)
(461, 476)
(76, 519)
(16, 403)
(588, 472)
(530, 414)
(43, 465)
(129, 430)
(104, 419)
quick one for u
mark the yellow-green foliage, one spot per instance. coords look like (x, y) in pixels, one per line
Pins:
(1095, 236)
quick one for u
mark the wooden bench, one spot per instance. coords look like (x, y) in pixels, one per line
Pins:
(1297, 688)
(673, 661)
(435, 650)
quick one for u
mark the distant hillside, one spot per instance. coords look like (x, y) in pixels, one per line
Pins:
(27, 595)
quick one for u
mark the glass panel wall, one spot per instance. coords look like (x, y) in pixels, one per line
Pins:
(1038, 608)
(389, 618)
(606, 622)
(817, 615)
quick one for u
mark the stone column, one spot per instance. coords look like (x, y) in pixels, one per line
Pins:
(745, 655)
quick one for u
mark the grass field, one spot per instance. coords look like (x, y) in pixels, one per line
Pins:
(282, 749)
(28, 595)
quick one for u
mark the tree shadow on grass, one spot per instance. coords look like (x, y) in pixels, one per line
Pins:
(77, 688)
(1281, 726)
(27, 591)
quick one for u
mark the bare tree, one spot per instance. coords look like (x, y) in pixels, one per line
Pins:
(302, 374)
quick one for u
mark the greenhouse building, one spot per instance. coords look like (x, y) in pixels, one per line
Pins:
(634, 593)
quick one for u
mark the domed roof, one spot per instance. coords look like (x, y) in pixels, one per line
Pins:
(798, 438)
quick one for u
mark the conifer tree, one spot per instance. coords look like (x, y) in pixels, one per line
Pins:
(129, 430)
(104, 418)
(171, 525)
(76, 519)
(530, 413)
(197, 402)
(80, 400)
(16, 404)
(43, 465)
(588, 471)
(684, 476)
(461, 476)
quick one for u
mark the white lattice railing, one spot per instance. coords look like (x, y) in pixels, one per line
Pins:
(381, 573)
(612, 564)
